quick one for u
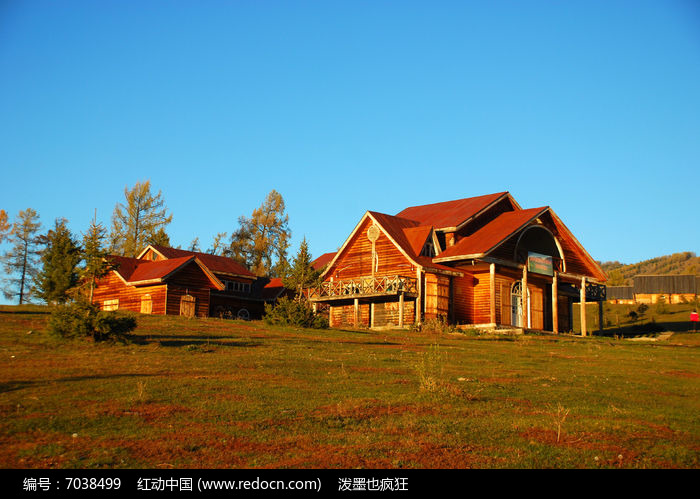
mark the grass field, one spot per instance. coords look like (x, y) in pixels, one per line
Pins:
(219, 394)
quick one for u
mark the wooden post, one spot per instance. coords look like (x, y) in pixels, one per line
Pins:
(419, 301)
(600, 316)
(371, 315)
(401, 309)
(492, 293)
(523, 299)
(583, 307)
(555, 304)
(357, 312)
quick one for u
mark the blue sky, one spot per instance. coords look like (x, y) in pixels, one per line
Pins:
(590, 107)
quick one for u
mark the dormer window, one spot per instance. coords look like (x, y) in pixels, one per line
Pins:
(428, 250)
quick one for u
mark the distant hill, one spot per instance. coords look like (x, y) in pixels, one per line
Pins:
(621, 274)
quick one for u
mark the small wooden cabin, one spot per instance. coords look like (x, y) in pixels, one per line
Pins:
(468, 261)
(172, 281)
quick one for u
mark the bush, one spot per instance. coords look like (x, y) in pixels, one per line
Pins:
(81, 319)
(293, 313)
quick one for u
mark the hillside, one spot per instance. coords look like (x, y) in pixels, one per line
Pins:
(678, 263)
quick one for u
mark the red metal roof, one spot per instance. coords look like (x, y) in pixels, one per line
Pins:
(273, 289)
(322, 261)
(214, 263)
(158, 270)
(449, 213)
(492, 234)
(403, 232)
(135, 270)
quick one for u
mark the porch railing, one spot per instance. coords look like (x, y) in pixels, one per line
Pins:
(363, 286)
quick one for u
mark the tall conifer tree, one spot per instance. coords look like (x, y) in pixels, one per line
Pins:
(94, 255)
(20, 263)
(301, 274)
(59, 260)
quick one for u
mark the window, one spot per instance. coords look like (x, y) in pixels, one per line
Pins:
(428, 250)
(110, 304)
(237, 287)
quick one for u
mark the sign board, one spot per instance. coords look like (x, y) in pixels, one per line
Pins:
(540, 264)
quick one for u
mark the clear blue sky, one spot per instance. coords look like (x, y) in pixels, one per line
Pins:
(590, 107)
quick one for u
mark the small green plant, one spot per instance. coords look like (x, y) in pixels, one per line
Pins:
(81, 319)
(293, 313)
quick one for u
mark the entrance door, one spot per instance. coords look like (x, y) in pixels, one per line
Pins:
(516, 302)
(146, 304)
(187, 305)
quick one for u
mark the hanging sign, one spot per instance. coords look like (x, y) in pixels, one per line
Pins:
(540, 264)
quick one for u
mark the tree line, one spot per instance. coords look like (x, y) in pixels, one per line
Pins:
(52, 266)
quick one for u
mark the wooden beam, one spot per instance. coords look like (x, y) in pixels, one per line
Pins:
(400, 310)
(371, 315)
(555, 304)
(523, 300)
(357, 312)
(600, 316)
(583, 307)
(492, 293)
(419, 301)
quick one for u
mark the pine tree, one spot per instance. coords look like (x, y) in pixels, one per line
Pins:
(59, 260)
(139, 222)
(263, 238)
(94, 256)
(21, 260)
(301, 273)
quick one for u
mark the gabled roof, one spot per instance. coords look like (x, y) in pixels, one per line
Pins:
(215, 263)
(405, 234)
(322, 261)
(134, 271)
(451, 214)
(491, 235)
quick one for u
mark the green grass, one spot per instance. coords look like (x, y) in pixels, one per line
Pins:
(214, 393)
(616, 320)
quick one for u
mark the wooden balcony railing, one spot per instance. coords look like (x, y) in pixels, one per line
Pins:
(363, 287)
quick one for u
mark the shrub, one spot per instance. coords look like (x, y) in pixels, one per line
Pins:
(293, 313)
(438, 325)
(81, 319)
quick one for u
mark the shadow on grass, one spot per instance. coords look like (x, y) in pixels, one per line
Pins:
(11, 386)
(186, 340)
(649, 328)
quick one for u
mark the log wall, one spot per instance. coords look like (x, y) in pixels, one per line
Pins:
(111, 287)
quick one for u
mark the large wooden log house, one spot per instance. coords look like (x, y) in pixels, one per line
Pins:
(467, 260)
(171, 281)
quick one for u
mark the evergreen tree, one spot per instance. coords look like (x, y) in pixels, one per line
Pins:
(20, 263)
(59, 260)
(263, 238)
(94, 255)
(160, 238)
(301, 274)
(139, 222)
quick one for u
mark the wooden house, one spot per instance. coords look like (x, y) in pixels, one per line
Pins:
(162, 280)
(468, 261)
